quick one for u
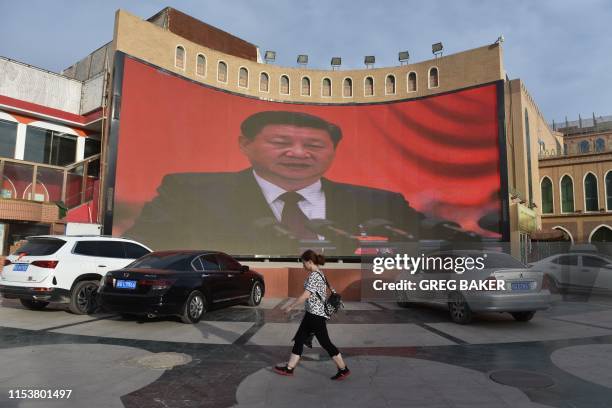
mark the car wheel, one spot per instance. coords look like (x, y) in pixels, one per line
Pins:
(194, 308)
(523, 316)
(459, 310)
(33, 304)
(256, 294)
(81, 297)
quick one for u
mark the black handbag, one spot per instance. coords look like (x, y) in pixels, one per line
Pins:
(333, 303)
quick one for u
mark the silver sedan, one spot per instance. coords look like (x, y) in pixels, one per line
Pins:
(517, 290)
(577, 272)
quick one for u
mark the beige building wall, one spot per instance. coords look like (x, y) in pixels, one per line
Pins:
(157, 46)
(518, 101)
(573, 141)
(581, 223)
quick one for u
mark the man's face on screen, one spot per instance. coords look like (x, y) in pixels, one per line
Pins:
(287, 154)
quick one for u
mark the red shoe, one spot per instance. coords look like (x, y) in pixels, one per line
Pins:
(341, 374)
(284, 370)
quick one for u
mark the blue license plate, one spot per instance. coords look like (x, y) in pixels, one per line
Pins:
(520, 286)
(21, 267)
(125, 284)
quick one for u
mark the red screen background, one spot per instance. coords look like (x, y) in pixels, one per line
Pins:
(441, 152)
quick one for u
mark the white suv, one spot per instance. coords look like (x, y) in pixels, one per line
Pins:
(64, 269)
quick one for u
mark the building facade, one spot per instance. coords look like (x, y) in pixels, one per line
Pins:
(576, 183)
(50, 143)
(76, 107)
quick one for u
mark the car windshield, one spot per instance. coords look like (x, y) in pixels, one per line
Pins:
(169, 261)
(40, 246)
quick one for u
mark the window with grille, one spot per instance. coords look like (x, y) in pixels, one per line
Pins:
(347, 89)
(179, 57)
(567, 194)
(591, 200)
(201, 65)
(326, 88)
(264, 82)
(306, 86)
(222, 72)
(412, 82)
(243, 78)
(368, 88)
(584, 146)
(390, 85)
(547, 196)
(434, 80)
(284, 85)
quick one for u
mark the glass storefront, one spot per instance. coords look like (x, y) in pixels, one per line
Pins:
(49, 147)
(8, 138)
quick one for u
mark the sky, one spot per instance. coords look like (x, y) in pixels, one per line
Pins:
(560, 49)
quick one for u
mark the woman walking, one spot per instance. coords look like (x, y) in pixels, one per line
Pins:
(315, 318)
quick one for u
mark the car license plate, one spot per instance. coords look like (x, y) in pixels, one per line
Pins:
(125, 284)
(20, 267)
(520, 286)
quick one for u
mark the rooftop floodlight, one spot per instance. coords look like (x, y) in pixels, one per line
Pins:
(369, 60)
(436, 49)
(336, 62)
(403, 57)
(270, 56)
(302, 59)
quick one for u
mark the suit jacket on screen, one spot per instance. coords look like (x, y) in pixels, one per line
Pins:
(219, 211)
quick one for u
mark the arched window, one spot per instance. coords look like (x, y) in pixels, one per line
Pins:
(347, 88)
(584, 146)
(603, 233)
(284, 84)
(326, 87)
(600, 145)
(179, 57)
(567, 236)
(368, 86)
(306, 86)
(567, 194)
(547, 196)
(243, 77)
(609, 190)
(412, 82)
(222, 72)
(565, 149)
(390, 85)
(264, 82)
(528, 146)
(434, 80)
(201, 65)
(591, 200)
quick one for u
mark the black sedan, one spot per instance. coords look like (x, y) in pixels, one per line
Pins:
(181, 283)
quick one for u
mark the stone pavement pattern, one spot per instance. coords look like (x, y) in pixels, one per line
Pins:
(110, 373)
(591, 362)
(379, 381)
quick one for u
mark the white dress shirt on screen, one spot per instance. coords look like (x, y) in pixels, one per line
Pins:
(313, 205)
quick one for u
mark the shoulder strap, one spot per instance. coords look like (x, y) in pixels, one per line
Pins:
(324, 280)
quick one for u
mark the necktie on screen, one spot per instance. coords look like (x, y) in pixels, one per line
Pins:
(293, 217)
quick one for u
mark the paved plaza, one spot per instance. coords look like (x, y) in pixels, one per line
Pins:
(410, 357)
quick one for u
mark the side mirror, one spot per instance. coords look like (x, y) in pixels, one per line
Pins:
(244, 268)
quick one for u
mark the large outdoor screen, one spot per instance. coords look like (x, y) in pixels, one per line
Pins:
(198, 167)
